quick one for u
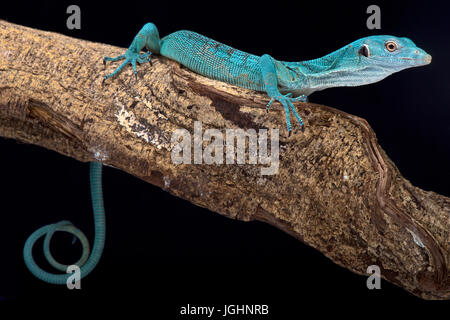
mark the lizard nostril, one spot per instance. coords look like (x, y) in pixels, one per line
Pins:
(416, 52)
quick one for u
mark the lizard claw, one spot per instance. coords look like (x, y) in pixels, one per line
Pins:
(269, 104)
(147, 56)
(287, 102)
(131, 57)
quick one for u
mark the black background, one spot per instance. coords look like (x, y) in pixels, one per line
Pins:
(169, 252)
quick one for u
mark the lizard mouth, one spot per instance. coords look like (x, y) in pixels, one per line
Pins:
(424, 59)
(427, 59)
(421, 61)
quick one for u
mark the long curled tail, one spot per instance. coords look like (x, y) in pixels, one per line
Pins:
(86, 263)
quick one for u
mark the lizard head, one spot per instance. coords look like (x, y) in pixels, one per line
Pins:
(392, 53)
(363, 61)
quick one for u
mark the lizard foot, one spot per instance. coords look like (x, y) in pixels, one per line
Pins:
(287, 102)
(130, 57)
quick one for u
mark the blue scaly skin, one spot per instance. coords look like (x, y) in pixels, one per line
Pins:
(88, 259)
(361, 62)
(364, 61)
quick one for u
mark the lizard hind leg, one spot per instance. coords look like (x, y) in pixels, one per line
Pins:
(117, 70)
(119, 57)
(147, 37)
(145, 57)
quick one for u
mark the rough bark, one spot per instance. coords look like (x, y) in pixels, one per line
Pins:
(336, 189)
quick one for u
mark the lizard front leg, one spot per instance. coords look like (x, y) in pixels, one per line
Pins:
(269, 75)
(147, 37)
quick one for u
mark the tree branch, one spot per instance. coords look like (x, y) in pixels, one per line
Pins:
(335, 190)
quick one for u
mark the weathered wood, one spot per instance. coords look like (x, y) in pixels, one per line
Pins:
(335, 190)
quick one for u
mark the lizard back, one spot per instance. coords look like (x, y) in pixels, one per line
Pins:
(213, 59)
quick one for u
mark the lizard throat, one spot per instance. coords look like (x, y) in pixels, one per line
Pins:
(344, 73)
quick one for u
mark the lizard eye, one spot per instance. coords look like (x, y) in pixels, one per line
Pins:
(391, 46)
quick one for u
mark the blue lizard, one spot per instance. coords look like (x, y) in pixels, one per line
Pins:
(363, 61)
